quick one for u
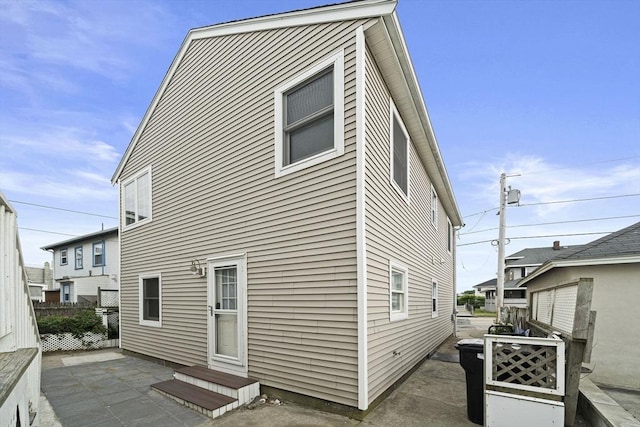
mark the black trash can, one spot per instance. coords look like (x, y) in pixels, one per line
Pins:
(472, 360)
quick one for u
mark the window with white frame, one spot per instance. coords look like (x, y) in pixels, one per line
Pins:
(398, 291)
(137, 199)
(399, 154)
(98, 254)
(434, 298)
(150, 296)
(78, 257)
(64, 257)
(434, 207)
(309, 116)
(449, 236)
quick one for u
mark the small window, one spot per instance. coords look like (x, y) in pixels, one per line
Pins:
(449, 236)
(78, 257)
(434, 298)
(64, 257)
(137, 199)
(309, 117)
(150, 294)
(434, 207)
(98, 254)
(398, 291)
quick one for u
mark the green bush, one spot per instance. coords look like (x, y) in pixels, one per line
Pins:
(468, 297)
(78, 324)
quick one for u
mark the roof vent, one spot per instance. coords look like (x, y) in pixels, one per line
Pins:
(556, 245)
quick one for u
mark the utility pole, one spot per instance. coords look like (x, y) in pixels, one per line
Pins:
(501, 232)
(506, 197)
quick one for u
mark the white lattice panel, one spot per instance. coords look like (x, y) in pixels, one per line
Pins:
(108, 298)
(67, 342)
(564, 308)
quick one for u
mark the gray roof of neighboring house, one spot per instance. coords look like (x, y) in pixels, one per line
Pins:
(625, 242)
(537, 256)
(490, 282)
(35, 274)
(105, 232)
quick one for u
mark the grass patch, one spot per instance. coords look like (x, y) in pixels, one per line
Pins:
(481, 313)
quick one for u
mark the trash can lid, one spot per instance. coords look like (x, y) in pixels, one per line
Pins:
(470, 343)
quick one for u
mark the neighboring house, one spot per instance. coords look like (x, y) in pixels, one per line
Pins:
(20, 350)
(613, 262)
(289, 162)
(518, 266)
(83, 264)
(40, 280)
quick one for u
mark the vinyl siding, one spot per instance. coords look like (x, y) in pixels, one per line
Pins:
(210, 143)
(403, 233)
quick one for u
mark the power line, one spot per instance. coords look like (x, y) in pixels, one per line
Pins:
(551, 223)
(580, 200)
(62, 209)
(538, 237)
(48, 232)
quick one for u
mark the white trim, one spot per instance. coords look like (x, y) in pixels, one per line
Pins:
(336, 61)
(123, 213)
(339, 12)
(578, 263)
(434, 283)
(141, 320)
(450, 236)
(239, 365)
(404, 314)
(361, 225)
(393, 114)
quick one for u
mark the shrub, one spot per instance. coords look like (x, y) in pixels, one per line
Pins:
(80, 323)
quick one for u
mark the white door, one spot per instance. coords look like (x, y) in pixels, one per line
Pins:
(227, 315)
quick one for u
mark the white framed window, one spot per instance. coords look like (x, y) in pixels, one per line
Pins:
(309, 117)
(64, 256)
(150, 297)
(399, 153)
(398, 291)
(434, 298)
(98, 254)
(450, 236)
(78, 257)
(136, 203)
(434, 207)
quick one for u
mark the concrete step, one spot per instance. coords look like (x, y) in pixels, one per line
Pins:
(206, 402)
(242, 389)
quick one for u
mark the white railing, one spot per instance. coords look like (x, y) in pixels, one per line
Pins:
(20, 347)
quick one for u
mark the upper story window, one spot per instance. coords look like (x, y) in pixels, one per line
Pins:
(98, 254)
(309, 117)
(449, 236)
(137, 199)
(399, 154)
(398, 291)
(64, 256)
(434, 207)
(78, 257)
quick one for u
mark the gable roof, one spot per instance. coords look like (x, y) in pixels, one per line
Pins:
(537, 256)
(389, 43)
(620, 247)
(101, 233)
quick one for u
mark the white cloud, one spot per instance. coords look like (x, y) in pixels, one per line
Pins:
(66, 185)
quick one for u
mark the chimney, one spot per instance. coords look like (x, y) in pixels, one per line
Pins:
(556, 245)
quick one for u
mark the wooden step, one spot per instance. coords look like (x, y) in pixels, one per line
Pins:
(216, 377)
(209, 400)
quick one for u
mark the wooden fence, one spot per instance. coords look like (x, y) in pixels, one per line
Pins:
(46, 309)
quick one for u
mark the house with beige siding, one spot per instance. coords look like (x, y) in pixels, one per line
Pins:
(613, 262)
(286, 214)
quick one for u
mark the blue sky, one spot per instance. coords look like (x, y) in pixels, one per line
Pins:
(549, 90)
